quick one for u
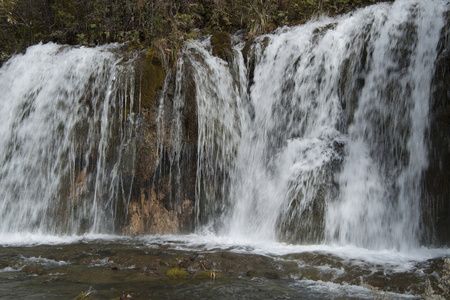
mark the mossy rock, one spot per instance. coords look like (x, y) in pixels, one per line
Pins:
(152, 78)
(271, 27)
(176, 273)
(246, 50)
(221, 46)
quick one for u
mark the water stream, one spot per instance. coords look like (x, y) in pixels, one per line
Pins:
(321, 136)
(61, 109)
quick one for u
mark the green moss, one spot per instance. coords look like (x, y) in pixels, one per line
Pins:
(176, 273)
(221, 45)
(271, 27)
(192, 35)
(152, 78)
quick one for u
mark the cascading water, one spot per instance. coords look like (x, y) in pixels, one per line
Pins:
(221, 114)
(312, 134)
(321, 137)
(386, 154)
(63, 136)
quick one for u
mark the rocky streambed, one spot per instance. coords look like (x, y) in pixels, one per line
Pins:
(155, 269)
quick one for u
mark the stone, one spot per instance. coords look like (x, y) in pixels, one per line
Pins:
(221, 46)
(150, 216)
(152, 78)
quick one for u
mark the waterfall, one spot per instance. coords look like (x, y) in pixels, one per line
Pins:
(386, 151)
(64, 114)
(221, 114)
(318, 134)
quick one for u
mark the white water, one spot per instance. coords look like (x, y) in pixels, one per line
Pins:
(387, 151)
(328, 145)
(58, 107)
(400, 261)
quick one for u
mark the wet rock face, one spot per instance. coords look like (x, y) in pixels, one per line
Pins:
(150, 216)
(221, 46)
(149, 82)
(437, 177)
(190, 123)
(162, 201)
(152, 78)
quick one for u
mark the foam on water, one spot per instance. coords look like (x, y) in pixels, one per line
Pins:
(35, 239)
(9, 270)
(43, 261)
(398, 260)
(338, 290)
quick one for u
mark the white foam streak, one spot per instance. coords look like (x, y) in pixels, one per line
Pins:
(399, 261)
(208, 242)
(35, 239)
(44, 261)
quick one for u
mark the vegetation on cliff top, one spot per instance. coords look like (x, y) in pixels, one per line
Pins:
(163, 25)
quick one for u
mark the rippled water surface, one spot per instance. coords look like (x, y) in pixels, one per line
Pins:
(112, 267)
